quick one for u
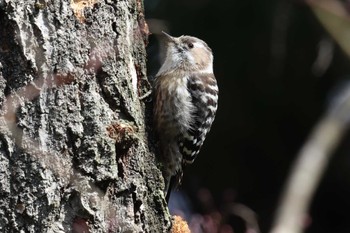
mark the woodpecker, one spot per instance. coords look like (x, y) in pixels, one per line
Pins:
(186, 100)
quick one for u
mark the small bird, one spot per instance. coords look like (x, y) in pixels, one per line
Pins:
(186, 100)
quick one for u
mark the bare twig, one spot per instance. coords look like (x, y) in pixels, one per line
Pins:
(248, 216)
(334, 17)
(315, 154)
(310, 165)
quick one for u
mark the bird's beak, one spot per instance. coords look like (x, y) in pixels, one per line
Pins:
(168, 37)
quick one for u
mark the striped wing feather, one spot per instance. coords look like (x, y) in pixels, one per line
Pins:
(204, 94)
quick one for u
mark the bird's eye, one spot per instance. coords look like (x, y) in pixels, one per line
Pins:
(190, 45)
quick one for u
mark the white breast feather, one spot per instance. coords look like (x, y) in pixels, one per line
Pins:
(184, 104)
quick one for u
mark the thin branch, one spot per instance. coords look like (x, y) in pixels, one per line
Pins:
(313, 158)
(311, 164)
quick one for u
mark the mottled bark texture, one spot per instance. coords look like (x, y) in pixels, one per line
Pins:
(74, 145)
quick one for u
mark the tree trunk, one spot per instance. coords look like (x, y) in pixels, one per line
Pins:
(75, 155)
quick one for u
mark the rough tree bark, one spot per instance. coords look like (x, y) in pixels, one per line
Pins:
(74, 146)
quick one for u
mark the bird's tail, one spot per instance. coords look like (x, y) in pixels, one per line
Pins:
(171, 183)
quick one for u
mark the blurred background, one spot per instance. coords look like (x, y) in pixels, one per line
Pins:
(277, 68)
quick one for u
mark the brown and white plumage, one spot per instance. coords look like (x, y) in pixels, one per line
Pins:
(186, 96)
